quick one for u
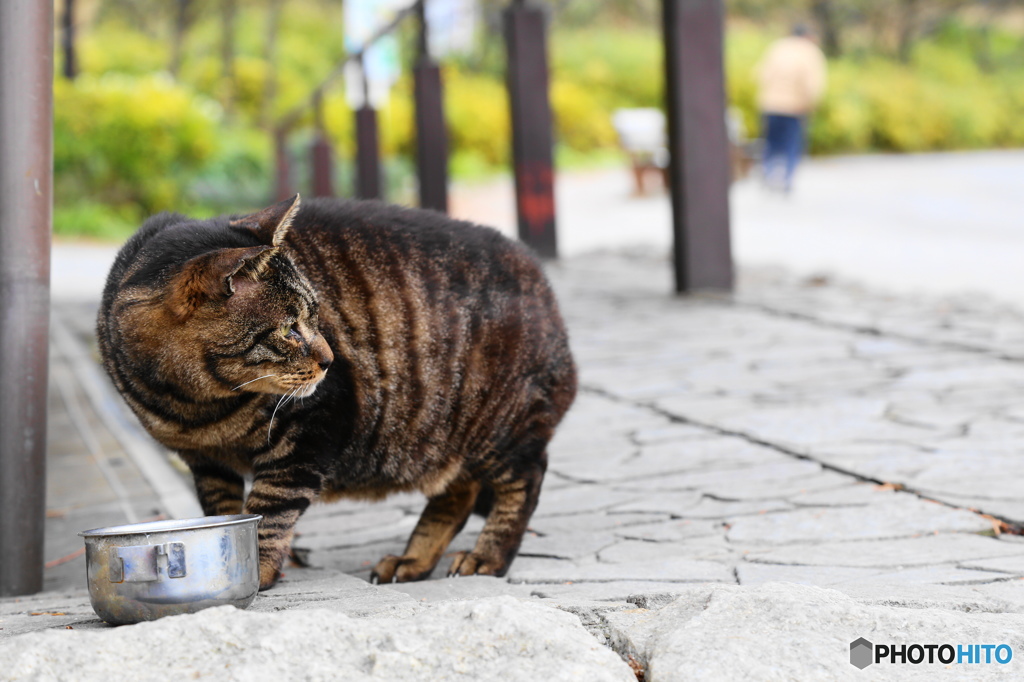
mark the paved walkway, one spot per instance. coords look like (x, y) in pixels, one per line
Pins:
(943, 224)
(804, 430)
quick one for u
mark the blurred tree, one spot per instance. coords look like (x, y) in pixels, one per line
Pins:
(228, 13)
(67, 39)
(573, 14)
(908, 19)
(183, 17)
(826, 14)
(269, 56)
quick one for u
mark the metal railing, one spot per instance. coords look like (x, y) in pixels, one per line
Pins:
(532, 137)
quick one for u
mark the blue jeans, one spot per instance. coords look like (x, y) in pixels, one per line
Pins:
(784, 143)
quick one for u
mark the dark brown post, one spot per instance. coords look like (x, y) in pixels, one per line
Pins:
(323, 169)
(282, 169)
(698, 144)
(431, 136)
(367, 147)
(532, 137)
(367, 154)
(26, 169)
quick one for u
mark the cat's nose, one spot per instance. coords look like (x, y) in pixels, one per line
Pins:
(321, 352)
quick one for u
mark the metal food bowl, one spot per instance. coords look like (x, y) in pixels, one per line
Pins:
(145, 571)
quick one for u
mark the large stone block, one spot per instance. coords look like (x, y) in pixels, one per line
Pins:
(497, 639)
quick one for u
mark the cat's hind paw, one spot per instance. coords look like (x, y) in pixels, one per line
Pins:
(471, 563)
(400, 569)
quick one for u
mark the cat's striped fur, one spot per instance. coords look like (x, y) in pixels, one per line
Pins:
(344, 349)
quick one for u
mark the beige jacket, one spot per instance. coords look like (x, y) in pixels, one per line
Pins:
(791, 77)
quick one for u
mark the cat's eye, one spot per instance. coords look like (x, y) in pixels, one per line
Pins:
(287, 329)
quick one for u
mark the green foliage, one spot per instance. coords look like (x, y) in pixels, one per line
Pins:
(581, 123)
(131, 140)
(127, 140)
(86, 218)
(478, 116)
(941, 100)
(114, 48)
(617, 67)
(236, 178)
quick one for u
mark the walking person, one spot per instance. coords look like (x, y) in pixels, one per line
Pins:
(791, 80)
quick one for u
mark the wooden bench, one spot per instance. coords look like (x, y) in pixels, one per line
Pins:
(642, 136)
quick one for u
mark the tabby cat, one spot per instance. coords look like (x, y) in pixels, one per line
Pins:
(347, 349)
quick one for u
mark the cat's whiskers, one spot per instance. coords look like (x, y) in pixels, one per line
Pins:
(265, 376)
(270, 426)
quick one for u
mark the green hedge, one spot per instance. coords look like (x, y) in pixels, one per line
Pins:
(130, 141)
(940, 101)
(126, 140)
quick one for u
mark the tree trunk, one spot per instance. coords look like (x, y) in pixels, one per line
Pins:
(182, 20)
(824, 13)
(907, 30)
(270, 57)
(227, 53)
(68, 40)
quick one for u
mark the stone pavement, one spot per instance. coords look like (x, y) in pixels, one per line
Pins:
(943, 223)
(745, 485)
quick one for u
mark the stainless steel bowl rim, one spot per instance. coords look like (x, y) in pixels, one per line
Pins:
(170, 525)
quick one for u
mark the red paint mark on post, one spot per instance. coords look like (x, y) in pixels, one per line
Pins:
(536, 196)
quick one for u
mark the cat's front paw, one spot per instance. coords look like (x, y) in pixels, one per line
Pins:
(400, 569)
(269, 575)
(471, 563)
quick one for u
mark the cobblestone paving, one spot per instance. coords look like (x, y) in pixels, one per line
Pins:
(807, 432)
(800, 431)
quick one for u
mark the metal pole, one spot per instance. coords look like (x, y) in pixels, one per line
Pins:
(699, 170)
(431, 136)
(26, 169)
(532, 138)
(323, 169)
(367, 146)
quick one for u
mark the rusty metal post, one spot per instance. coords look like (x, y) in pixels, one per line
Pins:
(323, 169)
(321, 153)
(367, 154)
(532, 137)
(26, 170)
(431, 135)
(367, 145)
(699, 170)
(282, 168)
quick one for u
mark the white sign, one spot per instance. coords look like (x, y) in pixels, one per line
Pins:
(451, 26)
(363, 19)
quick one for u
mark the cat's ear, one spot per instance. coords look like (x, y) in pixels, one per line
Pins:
(272, 223)
(210, 277)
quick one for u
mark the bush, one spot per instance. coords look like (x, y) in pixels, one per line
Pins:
(236, 178)
(581, 123)
(99, 221)
(125, 140)
(940, 101)
(479, 122)
(619, 67)
(117, 48)
(130, 142)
